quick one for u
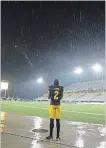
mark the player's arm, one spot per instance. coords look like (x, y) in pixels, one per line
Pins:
(61, 96)
(49, 93)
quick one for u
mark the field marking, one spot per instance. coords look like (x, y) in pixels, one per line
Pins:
(64, 110)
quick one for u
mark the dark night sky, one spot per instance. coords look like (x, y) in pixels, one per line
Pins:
(49, 39)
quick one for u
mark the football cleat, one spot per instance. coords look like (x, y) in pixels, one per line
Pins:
(57, 138)
(49, 138)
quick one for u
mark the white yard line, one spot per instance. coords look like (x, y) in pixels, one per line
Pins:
(63, 110)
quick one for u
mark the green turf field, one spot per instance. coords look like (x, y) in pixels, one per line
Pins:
(70, 111)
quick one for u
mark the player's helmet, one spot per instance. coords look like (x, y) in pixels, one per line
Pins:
(56, 82)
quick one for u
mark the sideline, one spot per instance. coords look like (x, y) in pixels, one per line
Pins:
(63, 110)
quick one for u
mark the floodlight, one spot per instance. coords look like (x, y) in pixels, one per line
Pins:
(97, 68)
(78, 71)
(4, 85)
(40, 80)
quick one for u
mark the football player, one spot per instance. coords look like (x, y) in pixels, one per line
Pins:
(55, 94)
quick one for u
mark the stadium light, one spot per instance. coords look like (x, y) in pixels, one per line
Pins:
(97, 68)
(78, 71)
(40, 80)
(4, 85)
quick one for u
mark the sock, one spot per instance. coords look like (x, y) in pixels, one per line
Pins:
(58, 126)
(51, 127)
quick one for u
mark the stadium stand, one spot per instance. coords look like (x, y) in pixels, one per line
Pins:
(91, 85)
(100, 98)
(86, 97)
(86, 92)
(92, 91)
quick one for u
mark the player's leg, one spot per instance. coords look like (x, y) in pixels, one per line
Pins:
(52, 116)
(51, 127)
(58, 113)
(58, 128)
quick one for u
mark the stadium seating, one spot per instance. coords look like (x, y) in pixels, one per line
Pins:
(86, 97)
(85, 86)
(100, 98)
(91, 91)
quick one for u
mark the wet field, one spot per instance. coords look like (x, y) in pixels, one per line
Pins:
(16, 132)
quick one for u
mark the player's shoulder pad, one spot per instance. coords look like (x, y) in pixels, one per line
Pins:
(50, 87)
(61, 88)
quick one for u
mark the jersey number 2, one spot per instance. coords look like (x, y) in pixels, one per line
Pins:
(56, 95)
